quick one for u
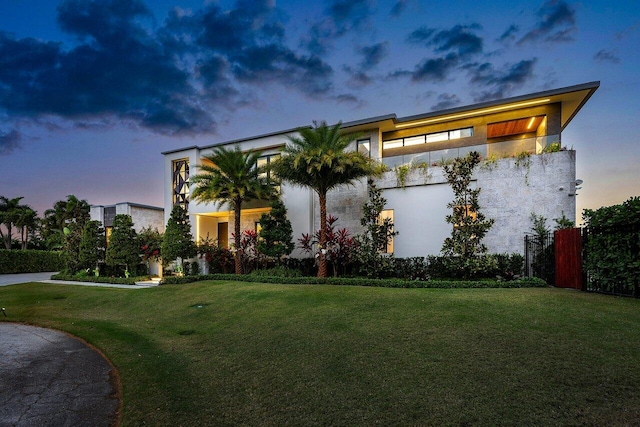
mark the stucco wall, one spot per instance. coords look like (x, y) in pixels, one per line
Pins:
(510, 193)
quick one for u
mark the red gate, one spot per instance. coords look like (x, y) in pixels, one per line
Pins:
(568, 254)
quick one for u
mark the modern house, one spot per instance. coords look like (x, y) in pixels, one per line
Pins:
(525, 170)
(143, 216)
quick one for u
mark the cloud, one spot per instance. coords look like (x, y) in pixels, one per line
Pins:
(170, 78)
(348, 99)
(340, 17)
(621, 35)
(9, 142)
(435, 69)
(360, 77)
(459, 39)
(509, 35)
(398, 7)
(556, 23)
(357, 78)
(604, 55)
(500, 83)
(446, 101)
(374, 54)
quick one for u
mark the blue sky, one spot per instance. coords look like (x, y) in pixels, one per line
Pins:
(91, 92)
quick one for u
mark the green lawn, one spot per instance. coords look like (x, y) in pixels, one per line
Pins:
(233, 353)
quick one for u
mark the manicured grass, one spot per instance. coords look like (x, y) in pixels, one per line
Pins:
(233, 353)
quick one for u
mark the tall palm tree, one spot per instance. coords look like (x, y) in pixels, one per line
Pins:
(9, 214)
(27, 219)
(233, 177)
(318, 159)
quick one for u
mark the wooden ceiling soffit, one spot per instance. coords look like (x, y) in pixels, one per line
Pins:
(514, 127)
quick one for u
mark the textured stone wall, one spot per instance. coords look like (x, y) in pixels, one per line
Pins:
(144, 218)
(511, 191)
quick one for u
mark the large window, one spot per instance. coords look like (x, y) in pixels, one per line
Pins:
(387, 214)
(181, 183)
(428, 138)
(265, 161)
(364, 147)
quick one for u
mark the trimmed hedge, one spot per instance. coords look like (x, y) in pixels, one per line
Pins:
(99, 279)
(528, 282)
(30, 261)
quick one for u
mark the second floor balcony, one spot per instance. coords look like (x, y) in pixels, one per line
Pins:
(489, 150)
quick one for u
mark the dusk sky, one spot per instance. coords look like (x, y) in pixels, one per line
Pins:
(91, 92)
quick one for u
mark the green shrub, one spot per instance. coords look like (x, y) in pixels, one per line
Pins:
(83, 277)
(30, 261)
(528, 282)
(613, 245)
(195, 268)
(503, 266)
(415, 268)
(279, 271)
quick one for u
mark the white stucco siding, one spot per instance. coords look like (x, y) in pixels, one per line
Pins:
(419, 217)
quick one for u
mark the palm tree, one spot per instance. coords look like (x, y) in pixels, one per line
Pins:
(233, 177)
(10, 210)
(64, 214)
(318, 159)
(26, 220)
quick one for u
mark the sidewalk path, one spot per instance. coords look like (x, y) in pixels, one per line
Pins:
(14, 279)
(50, 378)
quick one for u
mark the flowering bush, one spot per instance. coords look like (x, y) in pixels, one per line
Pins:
(339, 250)
(219, 259)
(247, 245)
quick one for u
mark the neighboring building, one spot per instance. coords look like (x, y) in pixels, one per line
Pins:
(519, 174)
(143, 216)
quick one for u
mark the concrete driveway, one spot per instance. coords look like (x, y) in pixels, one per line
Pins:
(50, 378)
(13, 279)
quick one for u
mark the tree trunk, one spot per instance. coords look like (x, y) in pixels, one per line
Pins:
(25, 237)
(7, 239)
(322, 268)
(237, 238)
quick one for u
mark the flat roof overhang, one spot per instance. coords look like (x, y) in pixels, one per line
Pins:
(572, 99)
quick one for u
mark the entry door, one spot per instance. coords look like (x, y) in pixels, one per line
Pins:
(223, 234)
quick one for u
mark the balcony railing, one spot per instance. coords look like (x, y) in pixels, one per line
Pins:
(492, 150)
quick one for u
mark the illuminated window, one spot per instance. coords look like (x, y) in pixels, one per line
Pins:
(387, 214)
(428, 138)
(465, 211)
(364, 147)
(265, 162)
(394, 143)
(181, 183)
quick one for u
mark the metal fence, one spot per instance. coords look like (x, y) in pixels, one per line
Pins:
(539, 257)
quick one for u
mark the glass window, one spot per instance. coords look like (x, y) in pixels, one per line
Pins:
(364, 147)
(264, 162)
(435, 137)
(394, 143)
(414, 140)
(181, 183)
(387, 214)
(466, 132)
